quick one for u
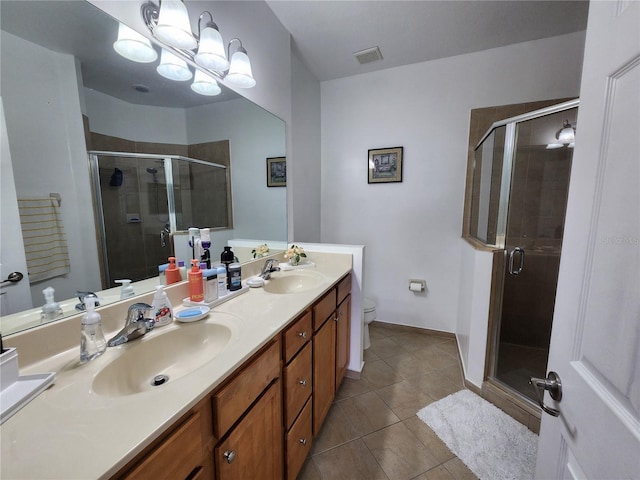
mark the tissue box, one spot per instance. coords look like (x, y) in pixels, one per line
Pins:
(8, 368)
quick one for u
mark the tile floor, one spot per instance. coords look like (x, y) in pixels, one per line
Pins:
(372, 431)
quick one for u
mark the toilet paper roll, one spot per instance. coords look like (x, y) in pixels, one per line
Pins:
(415, 287)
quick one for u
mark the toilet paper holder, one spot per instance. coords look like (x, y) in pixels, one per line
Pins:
(417, 285)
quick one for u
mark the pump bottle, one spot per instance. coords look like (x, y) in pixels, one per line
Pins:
(196, 293)
(92, 342)
(161, 307)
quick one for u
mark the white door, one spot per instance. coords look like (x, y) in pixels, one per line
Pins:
(595, 344)
(14, 297)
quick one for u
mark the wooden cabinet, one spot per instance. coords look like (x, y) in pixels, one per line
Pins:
(253, 448)
(331, 322)
(298, 386)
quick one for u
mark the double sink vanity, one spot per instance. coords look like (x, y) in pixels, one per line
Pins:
(242, 393)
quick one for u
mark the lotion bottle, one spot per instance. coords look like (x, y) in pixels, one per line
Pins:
(172, 273)
(161, 308)
(92, 342)
(196, 293)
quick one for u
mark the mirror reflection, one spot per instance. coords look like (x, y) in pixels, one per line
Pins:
(65, 92)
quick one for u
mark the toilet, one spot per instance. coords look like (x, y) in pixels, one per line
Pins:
(369, 316)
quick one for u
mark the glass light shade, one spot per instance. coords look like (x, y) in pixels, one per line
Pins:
(205, 85)
(211, 53)
(173, 68)
(173, 26)
(133, 46)
(240, 71)
(566, 135)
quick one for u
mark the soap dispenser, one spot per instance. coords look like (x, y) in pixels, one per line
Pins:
(92, 342)
(51, 309)
(172, 272)
(196, 290)
(127, 289)
(161, 308)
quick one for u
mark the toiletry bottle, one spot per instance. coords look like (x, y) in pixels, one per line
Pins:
(172, 273)
(161, 307)
(127, 290)
(92, 342)
(205, 242)
(222, 281)
(210, 282)
(51, 309)
(227, 258)
(195, 283)
(183, 270)
(161, 276)
(235, 277)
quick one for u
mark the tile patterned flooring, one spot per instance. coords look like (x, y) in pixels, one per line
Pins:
(372, 431)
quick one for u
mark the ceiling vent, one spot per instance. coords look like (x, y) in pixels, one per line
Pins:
(369, 55)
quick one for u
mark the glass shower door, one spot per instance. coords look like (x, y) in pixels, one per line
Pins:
(533, 239)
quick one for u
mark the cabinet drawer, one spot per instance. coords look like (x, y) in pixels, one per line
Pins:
(324, 308)
(234, 398)
(176, 457)
(298, 377)
(298, 441)
(344, 288)
(297, 335)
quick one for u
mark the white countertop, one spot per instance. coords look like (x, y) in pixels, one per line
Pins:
(71, 432)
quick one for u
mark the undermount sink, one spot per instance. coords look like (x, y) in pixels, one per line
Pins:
(156, 360)
(285, 282)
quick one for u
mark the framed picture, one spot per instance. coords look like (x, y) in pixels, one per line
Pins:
(385, 165)
(277, 172)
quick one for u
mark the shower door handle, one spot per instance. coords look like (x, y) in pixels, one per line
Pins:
(512, 254)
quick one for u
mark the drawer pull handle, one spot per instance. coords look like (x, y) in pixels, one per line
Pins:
(336, 319)
(303, 441)
(302, 382)
(229, 456)
(302, 335)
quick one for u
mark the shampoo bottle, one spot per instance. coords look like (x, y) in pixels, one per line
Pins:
(161, 308)
(92, 342)
(222, 281)
(172, 273)
(196, 293)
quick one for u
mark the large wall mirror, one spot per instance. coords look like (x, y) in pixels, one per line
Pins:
(64, 92)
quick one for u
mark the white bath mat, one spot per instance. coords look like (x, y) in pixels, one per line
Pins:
(492, 444)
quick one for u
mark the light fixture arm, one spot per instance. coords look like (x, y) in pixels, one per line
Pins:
(240, 48)
(210, 23)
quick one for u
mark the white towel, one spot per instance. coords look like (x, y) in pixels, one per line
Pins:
(45, 243)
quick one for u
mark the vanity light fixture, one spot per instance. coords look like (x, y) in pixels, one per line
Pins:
(205, 84)
(566, 137)
(133, 46)
(172, 67)
(206, 50)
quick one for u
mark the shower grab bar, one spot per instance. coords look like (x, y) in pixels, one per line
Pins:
(512, 254)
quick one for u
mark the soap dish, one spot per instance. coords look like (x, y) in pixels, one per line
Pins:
(18, 391)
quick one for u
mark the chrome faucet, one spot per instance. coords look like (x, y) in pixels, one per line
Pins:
(268, 268)
(81, 296)
(135, 326)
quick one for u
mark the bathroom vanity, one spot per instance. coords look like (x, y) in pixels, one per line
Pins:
(248, 388)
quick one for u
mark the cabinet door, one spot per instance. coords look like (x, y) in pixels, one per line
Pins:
(343, 327)
(324, 355)
(254, 448)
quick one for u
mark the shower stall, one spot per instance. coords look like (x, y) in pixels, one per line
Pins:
(519, 191)
(141, 199)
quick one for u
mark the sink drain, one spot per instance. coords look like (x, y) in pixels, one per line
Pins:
(159, 380)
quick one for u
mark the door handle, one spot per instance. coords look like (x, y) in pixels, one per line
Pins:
(512, 254)
(553, 385)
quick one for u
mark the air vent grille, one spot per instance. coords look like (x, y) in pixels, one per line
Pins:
(369, 55)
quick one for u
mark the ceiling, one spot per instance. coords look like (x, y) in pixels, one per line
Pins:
(326, 33)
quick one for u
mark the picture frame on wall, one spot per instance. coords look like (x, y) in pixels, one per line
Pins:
(277, 172)
(385, 165)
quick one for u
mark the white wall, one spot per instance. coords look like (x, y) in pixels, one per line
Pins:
(46, 138)
(304, 168)
(412, 229)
